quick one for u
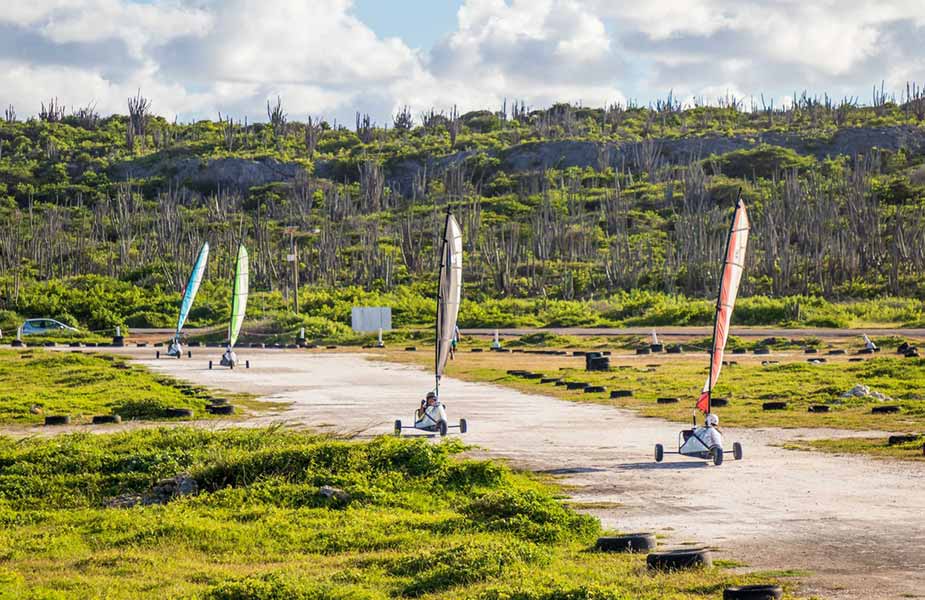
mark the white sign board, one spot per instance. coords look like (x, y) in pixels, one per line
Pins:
(371, 318)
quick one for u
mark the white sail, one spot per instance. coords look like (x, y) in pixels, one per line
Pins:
(449, 291)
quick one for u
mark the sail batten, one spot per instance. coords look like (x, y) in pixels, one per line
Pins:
(733, 267)
(449, 291)
(192, 286)
(238, 296)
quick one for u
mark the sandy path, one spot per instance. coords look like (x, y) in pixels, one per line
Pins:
(858, 525)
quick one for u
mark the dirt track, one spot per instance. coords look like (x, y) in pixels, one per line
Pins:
(854, 523)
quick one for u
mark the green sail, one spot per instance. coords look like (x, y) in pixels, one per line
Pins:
(238, 296)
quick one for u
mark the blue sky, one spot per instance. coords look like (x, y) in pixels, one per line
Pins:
(419, 24)
(331, 58)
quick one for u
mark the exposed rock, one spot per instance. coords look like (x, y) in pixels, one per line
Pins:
(566, 153)
(35, 409)
(233, 173)
(163, 492)
(242, 174)
(334, 493)
(124, 501)
(862, 391)
(172, 487)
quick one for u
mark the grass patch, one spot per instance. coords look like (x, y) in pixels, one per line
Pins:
(414, 520)
(747, 385)
(37, 382)
(876, 447)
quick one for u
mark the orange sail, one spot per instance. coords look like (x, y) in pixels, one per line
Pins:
(733, 265)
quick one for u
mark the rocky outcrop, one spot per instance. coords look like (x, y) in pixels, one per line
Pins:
(564, 154)
(242, 174)
(229, 173)
(163, 492)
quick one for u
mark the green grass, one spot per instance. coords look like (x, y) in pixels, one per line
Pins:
(747, 385)
(418, 522)
(38, 382)
(877, 447)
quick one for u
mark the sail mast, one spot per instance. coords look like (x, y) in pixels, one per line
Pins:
(440, 300)
(733, 266)
(719, 300)
(449, 289)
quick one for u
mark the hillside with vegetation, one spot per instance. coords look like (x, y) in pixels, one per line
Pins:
(571, 215)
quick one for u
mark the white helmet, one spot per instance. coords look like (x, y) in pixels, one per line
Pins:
(712, 420)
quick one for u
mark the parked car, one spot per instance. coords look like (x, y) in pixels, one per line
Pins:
(37, 326)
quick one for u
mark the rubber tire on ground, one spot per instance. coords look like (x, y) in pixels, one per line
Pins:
(818, 408)
(621, 394)
(718, 402)
(717, 456)
(58, 420)
(441, 427)
(398, 427)
(675, 560)
(659, 453)
(637, 542)
(189, 354)
(753, 592)
(463, 426)
(774, 406)
(667, 400)
(220, 409)
(178, 413)
(885, 410)
(895, 440)
(737, 451)
(102, 419)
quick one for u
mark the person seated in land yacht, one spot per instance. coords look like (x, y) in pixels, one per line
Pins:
(710, 434)
(426, 403)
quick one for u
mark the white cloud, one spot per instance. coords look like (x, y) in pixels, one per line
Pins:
(540, 51)
(85, 21)
(829, 38)
(28, 86)
(198, 57)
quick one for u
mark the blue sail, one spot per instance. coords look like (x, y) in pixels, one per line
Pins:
(192, 286)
